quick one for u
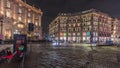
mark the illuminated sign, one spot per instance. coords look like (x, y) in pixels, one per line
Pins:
(65, 34)
(21, 48)
(88, 33)
(84, 33)
(61, 33)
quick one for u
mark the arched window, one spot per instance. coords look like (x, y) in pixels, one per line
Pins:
(8, 4)
(8, 13)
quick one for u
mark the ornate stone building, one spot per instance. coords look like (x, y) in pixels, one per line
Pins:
(85, 27)
(115, 30)
(15, 16)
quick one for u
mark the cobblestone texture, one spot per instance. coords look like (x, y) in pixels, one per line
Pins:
(48, 56)
(68, 56)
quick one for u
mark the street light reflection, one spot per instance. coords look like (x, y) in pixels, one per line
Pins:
(55, 43)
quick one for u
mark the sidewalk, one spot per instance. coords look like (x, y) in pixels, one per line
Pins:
(4, 46)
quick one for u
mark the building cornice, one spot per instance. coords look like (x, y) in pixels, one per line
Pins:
(29, 6)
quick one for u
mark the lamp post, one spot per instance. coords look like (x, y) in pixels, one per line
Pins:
(1, 24)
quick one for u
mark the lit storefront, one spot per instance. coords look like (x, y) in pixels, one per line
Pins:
(91, 26)
(8, 34)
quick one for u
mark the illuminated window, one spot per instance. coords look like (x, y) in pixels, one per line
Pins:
(61, 25)
(20, 10)
(84, 38)
(69, 34)
(20, 4)
(73, 34)
(88, 23)
(74, 25)
(29, 20)
(69, 24)
(8, 14)
(7, 33)
(29, 15)
(78, 34)
(29, 9)
(65, 34)
(8, 4)
(84, 33)
(78, 24)
(14, 22)
(19, 18)
(36, 23)
(88, 33)
(20, 26)
(61, 34)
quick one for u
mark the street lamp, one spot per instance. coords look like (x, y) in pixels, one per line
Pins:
(1, 24)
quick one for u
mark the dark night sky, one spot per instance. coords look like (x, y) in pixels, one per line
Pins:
(51, 8)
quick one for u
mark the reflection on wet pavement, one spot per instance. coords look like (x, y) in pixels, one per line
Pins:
(58, 57)
(49, 56)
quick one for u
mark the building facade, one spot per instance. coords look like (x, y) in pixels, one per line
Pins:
(15, 16)
(115, 31)
(85, 27)
(57, 29)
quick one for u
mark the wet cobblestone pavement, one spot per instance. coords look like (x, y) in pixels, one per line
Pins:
(12, 64)
(68, 56)
(46, 56)
(58, 57)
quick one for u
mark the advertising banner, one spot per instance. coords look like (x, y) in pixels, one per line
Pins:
(20, 42)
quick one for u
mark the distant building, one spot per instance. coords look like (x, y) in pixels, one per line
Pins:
(85, 27)
(15, 16)
(115, 31)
